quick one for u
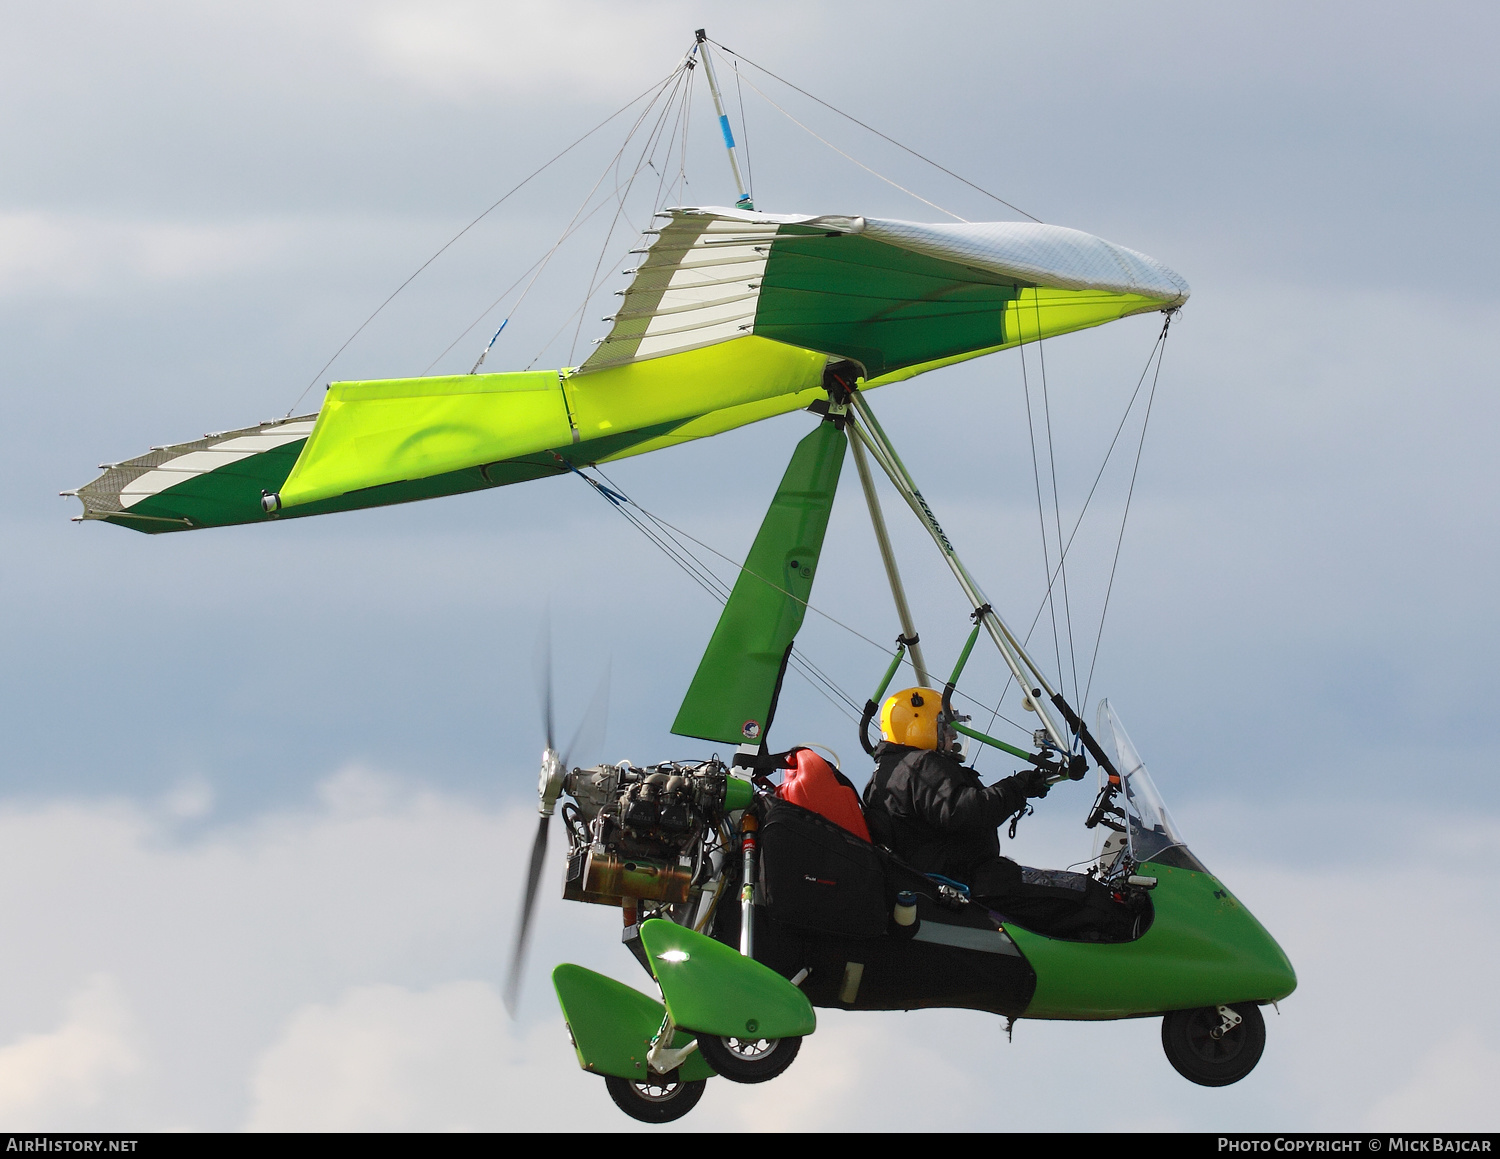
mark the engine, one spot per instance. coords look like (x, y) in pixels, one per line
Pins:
(641, 833)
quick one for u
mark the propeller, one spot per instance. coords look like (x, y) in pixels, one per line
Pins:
(554, 770)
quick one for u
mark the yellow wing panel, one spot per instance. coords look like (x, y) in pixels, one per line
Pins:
(374, 433)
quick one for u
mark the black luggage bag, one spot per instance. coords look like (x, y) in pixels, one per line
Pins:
(819, 877)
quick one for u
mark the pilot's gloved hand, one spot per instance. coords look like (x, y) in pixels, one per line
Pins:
(1034, 781)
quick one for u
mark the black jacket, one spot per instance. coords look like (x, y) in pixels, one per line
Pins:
(934, 812)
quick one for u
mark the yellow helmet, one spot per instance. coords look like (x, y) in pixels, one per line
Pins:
(910, 717)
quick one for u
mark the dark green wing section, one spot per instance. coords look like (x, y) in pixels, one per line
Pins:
(732, 694)
(883, 306)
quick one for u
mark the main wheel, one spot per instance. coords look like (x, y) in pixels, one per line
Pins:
(749, 1060)
(657, 1099)
(1198, 1055)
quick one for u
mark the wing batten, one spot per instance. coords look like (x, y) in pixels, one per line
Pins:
(670, 307)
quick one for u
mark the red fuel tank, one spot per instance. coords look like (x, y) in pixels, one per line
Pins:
(816, 785)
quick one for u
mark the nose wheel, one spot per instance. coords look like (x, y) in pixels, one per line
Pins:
(1215, 1045)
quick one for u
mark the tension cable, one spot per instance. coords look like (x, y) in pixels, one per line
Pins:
(701, 574)
(652, 89)
(1162, 348)
(851, 157)
(647, 151)
(1062, 565)
(1049, 599)
(1152, 357)
(877, 132)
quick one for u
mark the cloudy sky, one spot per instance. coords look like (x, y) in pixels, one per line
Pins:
(264, 791)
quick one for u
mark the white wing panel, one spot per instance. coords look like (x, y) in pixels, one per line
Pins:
(699, 284)
(202, 460)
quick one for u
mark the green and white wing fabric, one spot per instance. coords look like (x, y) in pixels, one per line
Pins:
(898, 297)
(730, 319)
(217, 478)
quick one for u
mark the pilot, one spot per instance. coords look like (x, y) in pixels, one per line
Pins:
(934, 813)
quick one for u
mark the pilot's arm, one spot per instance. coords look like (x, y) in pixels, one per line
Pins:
(950, 799)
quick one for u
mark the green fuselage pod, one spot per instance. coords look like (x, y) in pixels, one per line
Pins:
(731, 697)
(1203, 949)
(612, 1026)
(710, 988)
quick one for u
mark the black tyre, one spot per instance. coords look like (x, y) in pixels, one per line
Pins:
(1198, 1056)
(749, 1060)
(657, 1099)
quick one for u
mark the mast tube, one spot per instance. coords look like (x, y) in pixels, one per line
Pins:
(1022, 666)
(888, 557)
(743, 201)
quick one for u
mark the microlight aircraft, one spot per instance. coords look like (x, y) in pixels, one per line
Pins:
(747, 906)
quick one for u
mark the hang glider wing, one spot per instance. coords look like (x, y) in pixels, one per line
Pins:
(730, 319)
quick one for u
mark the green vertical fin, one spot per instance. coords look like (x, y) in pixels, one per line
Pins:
(730, 699)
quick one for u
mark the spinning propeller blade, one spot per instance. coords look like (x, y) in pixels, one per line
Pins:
(523, 930)
(589, 736)
(541, 663)
(588, 742)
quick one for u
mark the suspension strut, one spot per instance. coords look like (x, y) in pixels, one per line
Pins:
(748, 826)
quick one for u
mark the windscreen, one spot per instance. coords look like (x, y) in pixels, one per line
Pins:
(1149, 830)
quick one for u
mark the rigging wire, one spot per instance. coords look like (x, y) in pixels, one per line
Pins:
(505, 294)
(877, 132)
(1062, 565)
(679, 98)
(1162, 347)
(653, 88)
(851, 157)
(669, 138)
(668, 531)
(1154, 356)
(744, 130)
(490, 308)
(769, 583)
(1098, 475)
(721, 591)
(597, 284)
(710, 582)
(620, 199)
(628, 182)
(1049, 600)
(687, 122)
(578, 214)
